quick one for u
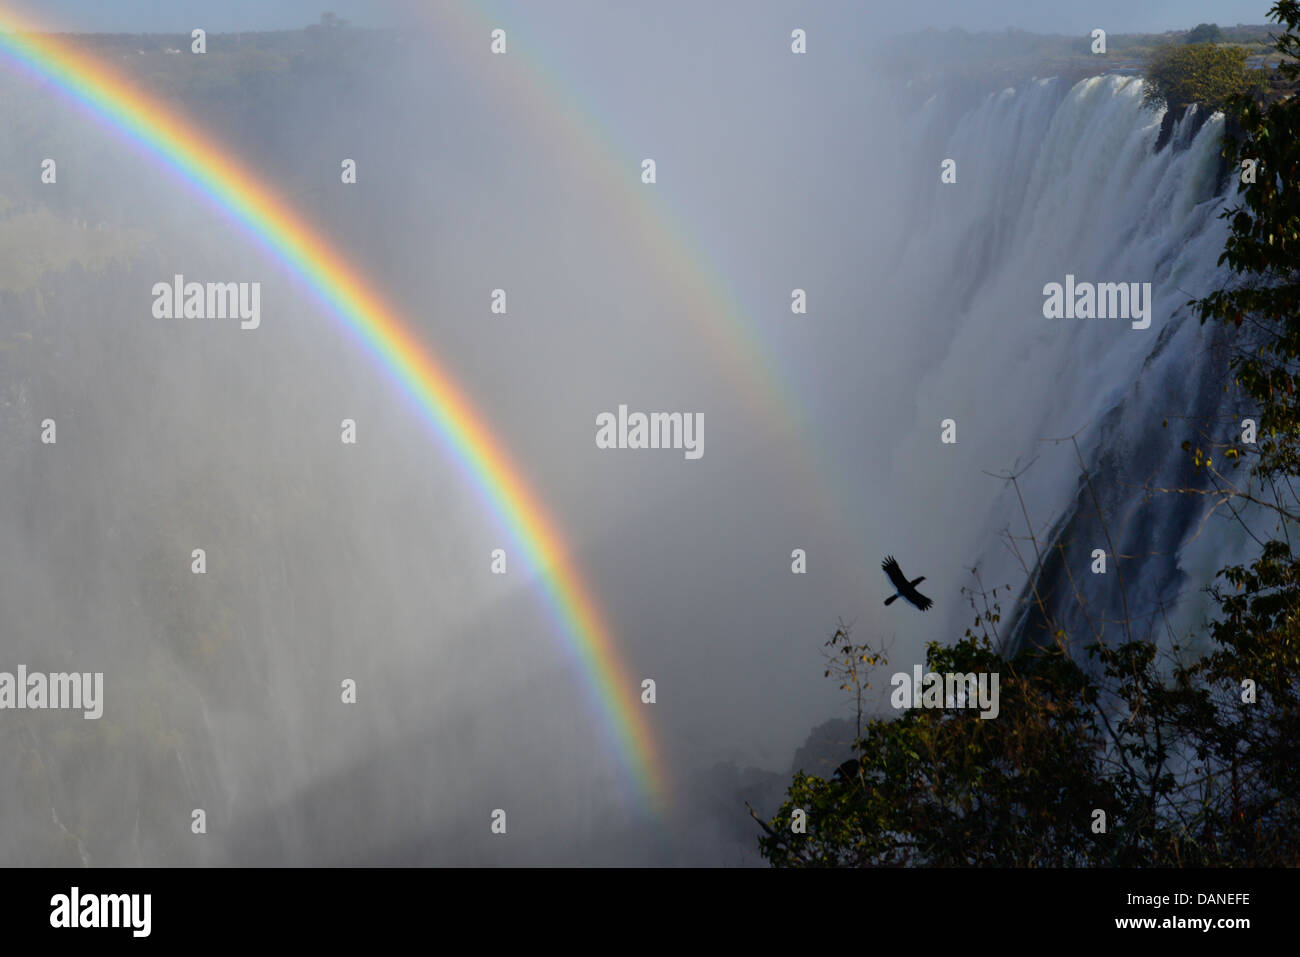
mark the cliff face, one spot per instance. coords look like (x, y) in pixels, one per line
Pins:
(1090, 195)
(1121, 507)
(1135, 494)
(1186, 120)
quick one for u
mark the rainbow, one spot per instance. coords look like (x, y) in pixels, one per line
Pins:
(221, 180)
(538, 95)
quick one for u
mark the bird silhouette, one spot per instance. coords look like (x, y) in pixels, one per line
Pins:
(904, 589)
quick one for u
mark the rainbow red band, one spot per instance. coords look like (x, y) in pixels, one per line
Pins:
(222, 180)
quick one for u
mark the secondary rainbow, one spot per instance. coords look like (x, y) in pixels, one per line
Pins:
(541, 93)
(223, 180)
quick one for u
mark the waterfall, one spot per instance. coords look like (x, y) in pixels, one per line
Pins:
(1055, 181)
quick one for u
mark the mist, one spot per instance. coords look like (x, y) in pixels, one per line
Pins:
(372, 562)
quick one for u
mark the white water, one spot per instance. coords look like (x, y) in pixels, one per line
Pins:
(1051, 182)
(465, 699)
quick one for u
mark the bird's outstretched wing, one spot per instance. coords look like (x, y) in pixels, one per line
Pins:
(917, 599)
(896, 576)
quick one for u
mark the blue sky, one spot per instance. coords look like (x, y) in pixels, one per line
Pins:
(1062, 16)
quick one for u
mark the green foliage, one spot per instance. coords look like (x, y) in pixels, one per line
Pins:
(1264, 247)
(1205, 33)
(1189, 770)
(1185, 771)
(1180, 75)
(946, 787)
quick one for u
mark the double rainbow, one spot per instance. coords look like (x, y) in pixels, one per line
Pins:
(222, 180)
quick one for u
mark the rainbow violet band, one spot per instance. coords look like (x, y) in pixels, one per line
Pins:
(221, 180)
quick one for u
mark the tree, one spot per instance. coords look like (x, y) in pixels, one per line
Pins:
(1179, 75)
(1259, 634)
(1190, 758)
(946, 788)
(1181, 769)
(1205, 33)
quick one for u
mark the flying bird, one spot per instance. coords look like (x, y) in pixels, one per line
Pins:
(905, 589)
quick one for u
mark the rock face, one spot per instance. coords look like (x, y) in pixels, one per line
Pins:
(1112, 512)
(1131, 396)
